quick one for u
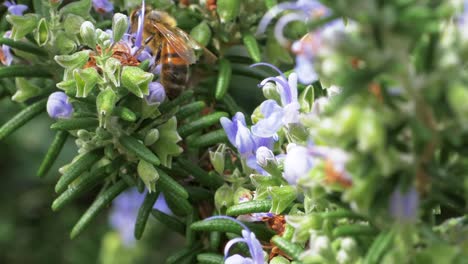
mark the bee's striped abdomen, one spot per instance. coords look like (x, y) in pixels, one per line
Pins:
(174, 71)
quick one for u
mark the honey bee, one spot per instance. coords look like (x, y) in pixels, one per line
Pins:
(174, 49)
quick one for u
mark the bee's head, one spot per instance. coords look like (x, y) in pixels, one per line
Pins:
(157, 16)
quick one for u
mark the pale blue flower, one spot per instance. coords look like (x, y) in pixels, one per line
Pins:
(58, 105)
(103, 6)
(248, 237)
(156, 95)
(15, 9)
(404, 205)
(276, 116)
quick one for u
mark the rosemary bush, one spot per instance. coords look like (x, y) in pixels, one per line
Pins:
(351, 149)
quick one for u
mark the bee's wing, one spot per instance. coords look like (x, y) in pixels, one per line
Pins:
(209, 57)
(179, 41)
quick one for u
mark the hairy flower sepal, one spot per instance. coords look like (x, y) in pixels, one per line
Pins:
(24, 90)
(41, 34)
(105, 103)
(119, 26)
(282, 197)
(79, 8)
(73, 61)
(148, 174)
(217, 158)
(112, 70)
(86, 80)
(166, 147)
(306, 99)
(63, 43)
(223, 197)
(103, 39)
(303, 224)
(22, 25)
(136, 80)
(88, 34)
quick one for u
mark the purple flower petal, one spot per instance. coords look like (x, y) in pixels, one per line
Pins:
(141, 20)
(244, 140)
(272, 121)
(230, 127)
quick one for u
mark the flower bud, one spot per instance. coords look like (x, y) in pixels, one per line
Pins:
(156, 95)
(151, 137)
(58, 105)
(270, 92)
(223, 197)
(217, 158)
(265, 157)
(73, 61)
(136, 80)
(119, 26)
(42, 33)
(88, 34)
(148, 174)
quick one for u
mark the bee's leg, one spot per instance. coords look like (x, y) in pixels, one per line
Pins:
(157, 59)
(148, 40)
